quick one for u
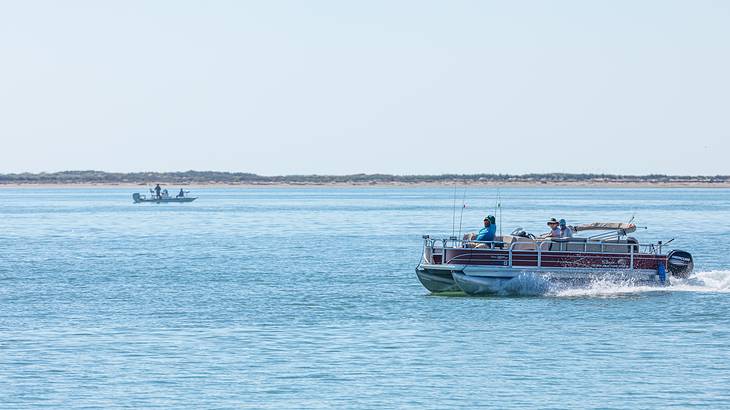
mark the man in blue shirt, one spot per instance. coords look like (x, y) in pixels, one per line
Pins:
(565, 231)
(490, 228)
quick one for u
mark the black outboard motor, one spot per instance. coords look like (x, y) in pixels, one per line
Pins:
(680, 264)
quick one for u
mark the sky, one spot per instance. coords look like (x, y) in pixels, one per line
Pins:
(340, 87)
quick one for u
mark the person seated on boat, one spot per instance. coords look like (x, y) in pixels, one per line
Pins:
(487, 233)
(565, 231)
(554, 229)
(180, 194)
(164, 193)
(157, 190)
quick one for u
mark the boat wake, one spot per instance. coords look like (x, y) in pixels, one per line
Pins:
(716, 281)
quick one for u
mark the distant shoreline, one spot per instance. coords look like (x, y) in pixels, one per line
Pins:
(145, 187)
(142, 180)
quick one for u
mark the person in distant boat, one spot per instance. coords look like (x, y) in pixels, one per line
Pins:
(164, 193)
(157, 190)
(180, 194)
(490, 228)
(554, 229)
(565, 231)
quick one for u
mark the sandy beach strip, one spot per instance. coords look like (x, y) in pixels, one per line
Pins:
(142, 187)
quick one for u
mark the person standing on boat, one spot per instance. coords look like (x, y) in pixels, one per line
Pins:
(554, 229)
(157, 190)
(490, 228)
(181, 194)
(565, 231)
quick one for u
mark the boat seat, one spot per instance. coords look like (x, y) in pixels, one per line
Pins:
(575, 244)
(621, 246)
(521, 244)
(584, 245)
(595, 246)
(565, 244)
(507, 239)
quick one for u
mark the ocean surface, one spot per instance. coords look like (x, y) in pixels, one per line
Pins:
(307, 298)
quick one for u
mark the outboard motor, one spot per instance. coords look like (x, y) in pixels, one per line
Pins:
(135, 197)
(680, 264)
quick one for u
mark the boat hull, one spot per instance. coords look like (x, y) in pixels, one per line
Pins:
(437, 280)
(481, 282)
(164, 200)
(477, 285)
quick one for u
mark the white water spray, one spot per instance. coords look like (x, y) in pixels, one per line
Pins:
(716, 281)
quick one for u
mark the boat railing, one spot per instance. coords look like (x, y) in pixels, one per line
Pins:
(437, 247)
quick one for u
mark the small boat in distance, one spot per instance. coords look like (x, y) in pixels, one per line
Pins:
(159, 196)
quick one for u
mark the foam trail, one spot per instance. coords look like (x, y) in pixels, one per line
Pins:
(606, 288)
(716, 281)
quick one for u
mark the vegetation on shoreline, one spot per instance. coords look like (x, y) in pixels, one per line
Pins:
(215, 177)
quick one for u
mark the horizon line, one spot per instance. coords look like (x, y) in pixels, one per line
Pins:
(376, 174)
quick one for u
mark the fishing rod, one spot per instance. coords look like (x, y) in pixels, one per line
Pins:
(496, 203)
(453, 215)
(499, 207)
(463, 205)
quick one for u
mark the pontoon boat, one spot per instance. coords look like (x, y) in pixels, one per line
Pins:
(479, 268)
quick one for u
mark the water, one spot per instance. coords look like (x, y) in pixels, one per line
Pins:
(307, 298)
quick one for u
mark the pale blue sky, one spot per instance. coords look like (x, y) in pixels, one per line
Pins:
(336, 87)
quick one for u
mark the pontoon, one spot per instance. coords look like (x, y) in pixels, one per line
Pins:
(479, 268)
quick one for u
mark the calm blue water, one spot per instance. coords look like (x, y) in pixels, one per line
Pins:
(307, 298)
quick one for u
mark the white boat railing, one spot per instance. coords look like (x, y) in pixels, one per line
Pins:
(538, 245)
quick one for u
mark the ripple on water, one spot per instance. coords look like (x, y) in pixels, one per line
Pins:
(291, 298)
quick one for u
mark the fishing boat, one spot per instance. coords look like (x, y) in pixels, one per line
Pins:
(161, 199)
(606, 253)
